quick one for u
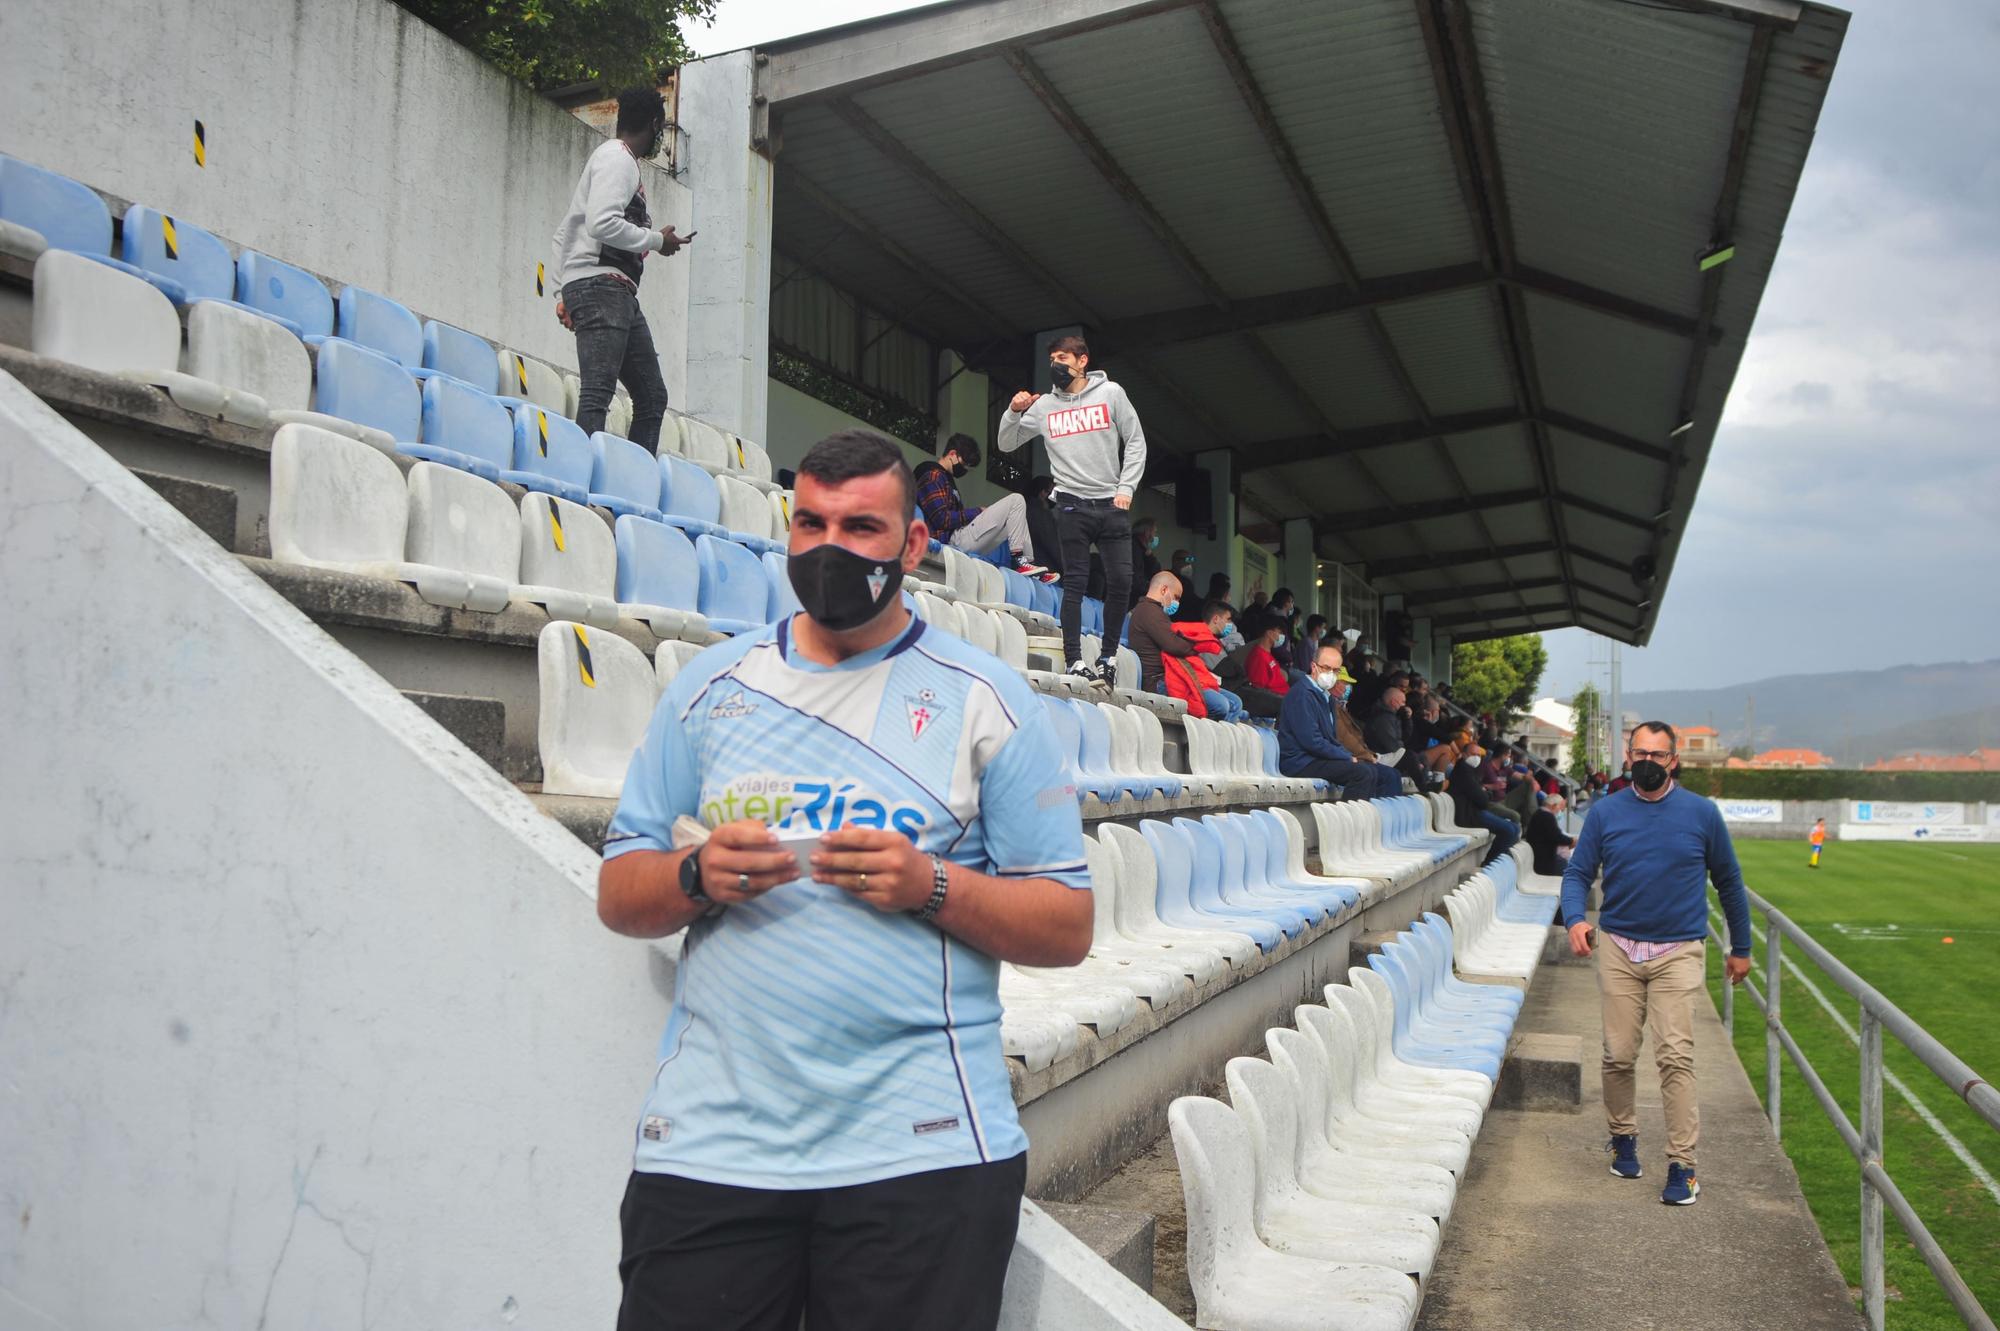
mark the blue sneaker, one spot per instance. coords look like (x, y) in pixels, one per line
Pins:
(1624, 1148)
(1681, 1189)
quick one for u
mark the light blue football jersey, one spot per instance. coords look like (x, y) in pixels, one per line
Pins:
(814, 1041)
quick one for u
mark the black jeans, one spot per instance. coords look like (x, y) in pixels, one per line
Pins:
(1082, 523)
(925, 1250)
(613, 343)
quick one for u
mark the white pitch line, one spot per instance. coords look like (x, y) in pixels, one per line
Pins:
(1902, 1088)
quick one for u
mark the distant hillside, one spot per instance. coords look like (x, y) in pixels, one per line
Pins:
(1855, 716)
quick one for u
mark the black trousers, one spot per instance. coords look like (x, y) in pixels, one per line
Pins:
(1082, 523)
(924, 1250)
(614, 342)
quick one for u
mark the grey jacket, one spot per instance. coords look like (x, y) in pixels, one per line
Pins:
(1085, 431)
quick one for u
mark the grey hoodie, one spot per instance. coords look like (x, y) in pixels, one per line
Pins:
(1085, 431)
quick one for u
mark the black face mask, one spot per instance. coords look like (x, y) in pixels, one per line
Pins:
(840, 589)
(1648, 775)
(958, 469)
(1061, 375)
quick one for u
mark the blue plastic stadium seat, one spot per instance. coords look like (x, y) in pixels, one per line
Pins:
(1048, 598)
(274, 287)
(656, 565)
(624, 477)
(368, 388)
(1068, 732)
(1093, 758)
(1187, 896)
(784, 601)
(735, 590)
(688, 497)
(551, 454)
(462, 427)
(462, 355)
(381, 324)
(65, 214)
(1093, 616)
(176, 248)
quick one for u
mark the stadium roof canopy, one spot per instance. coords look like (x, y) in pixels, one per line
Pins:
(1433, 271)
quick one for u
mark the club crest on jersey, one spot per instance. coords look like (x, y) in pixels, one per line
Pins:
(876, 581)
(734, 706)
(923, 711)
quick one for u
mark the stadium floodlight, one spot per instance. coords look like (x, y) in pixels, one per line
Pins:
(1681, 429)
(1717, 256)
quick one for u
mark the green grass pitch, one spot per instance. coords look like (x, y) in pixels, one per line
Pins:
(1886, 909)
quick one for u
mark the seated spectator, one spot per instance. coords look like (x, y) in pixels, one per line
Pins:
(1261, 665)
(1309, 745)
(1219, 618)
(1346, 728)
(1440, 758)
(1545, 835)
(1311, 638)
(1218, 590)
(1432, 726)
(1152, 635)
(975, 530)
(1234, 672)
(1522, 798)
(1145, 563)
(1619, 782)
(1471, 806)
(1385, 734)
(1192, 678)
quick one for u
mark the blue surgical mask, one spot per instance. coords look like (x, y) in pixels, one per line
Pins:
(1173, 605)
(1152, 542)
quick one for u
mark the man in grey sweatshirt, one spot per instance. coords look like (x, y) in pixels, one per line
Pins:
(1097, 451)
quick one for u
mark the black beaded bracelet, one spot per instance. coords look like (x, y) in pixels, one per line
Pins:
(939, 885)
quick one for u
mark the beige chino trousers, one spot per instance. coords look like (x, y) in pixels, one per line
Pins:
(1656, 996)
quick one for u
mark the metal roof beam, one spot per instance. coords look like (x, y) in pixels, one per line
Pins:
(1479, 554)
(1437, 508)
(1591, 430)
(1526, 612)
(1606, 511)
(1262, 456)
(1166, 327)
(1557, 287)
(1445, 595)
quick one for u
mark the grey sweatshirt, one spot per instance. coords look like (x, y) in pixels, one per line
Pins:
(1085, 431)
(607, 228)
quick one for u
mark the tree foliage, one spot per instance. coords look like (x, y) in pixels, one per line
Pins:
(1498, 675)
(555, 43)
(1588, 706)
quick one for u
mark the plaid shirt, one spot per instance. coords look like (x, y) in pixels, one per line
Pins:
(937, 495)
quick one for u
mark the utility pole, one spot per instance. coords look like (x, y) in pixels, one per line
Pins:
(1750, 721)
(1617, 730)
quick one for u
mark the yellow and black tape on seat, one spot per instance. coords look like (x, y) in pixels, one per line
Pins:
(583, 666)
(555, 527)
(539, 277)
(543, 417)
(200, 144)
(167, 235)
(521, 372)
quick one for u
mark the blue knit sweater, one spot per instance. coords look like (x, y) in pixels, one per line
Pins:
(1657, 857)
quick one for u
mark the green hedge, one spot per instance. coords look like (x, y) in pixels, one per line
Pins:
(1741, 783)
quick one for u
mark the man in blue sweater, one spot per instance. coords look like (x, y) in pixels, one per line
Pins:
(1309, 739)
(1658, 846)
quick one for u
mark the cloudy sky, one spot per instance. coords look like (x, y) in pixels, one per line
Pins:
(1849, 517)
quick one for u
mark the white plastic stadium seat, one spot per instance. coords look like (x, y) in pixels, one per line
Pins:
(102, 319)
(669, 657)
(1240, 1282)
(706, 446)
(228, 345)
(597, 694)
(337, 503)
(469, 526)
(531, 381)
(746, 511)
(569, 561)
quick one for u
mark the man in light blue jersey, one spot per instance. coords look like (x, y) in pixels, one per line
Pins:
(830, 1132)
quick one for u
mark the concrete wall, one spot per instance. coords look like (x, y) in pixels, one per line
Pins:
(729, 302)
(345, 136)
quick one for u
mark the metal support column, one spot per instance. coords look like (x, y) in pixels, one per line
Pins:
(1773, 1051)
(1871, 1153)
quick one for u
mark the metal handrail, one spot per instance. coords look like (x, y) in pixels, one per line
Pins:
(1863, 1143)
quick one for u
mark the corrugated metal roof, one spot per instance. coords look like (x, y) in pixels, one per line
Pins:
(1607, 122)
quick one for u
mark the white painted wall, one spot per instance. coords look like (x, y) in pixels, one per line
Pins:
(729, 303)
(345, 136)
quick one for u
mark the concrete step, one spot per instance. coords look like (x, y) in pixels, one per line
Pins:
(478, 723)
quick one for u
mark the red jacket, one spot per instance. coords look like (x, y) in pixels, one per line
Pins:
(1262, 670)
(1187, 676)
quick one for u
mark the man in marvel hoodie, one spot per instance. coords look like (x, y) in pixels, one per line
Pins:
(1097, 451)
